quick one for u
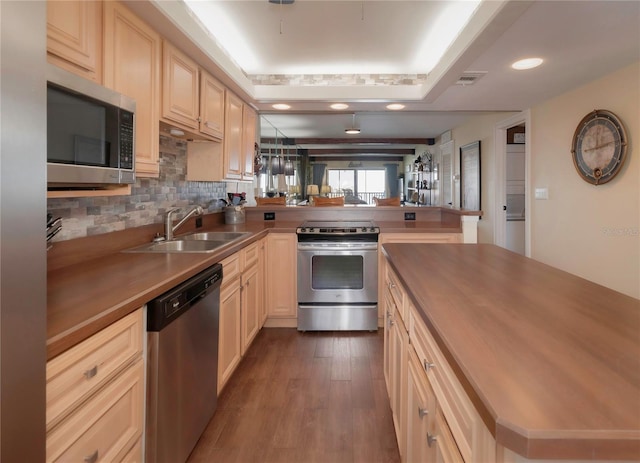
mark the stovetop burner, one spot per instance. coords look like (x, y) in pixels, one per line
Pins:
(337, 228)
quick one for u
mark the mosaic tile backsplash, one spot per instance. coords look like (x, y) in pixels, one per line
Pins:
(149, 199)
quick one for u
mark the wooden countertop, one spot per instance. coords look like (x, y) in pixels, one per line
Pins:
(551, 361)
(86, 297)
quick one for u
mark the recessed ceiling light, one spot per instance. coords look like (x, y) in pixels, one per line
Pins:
(281, 106)
(528, 63)
(352, 131)
(339, 106)
(395, 106)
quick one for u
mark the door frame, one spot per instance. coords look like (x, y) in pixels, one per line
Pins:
(500, 142)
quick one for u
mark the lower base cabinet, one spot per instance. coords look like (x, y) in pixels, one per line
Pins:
(241, 307)
(95, 397)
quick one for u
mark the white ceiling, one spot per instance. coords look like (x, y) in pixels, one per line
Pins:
(579, 41)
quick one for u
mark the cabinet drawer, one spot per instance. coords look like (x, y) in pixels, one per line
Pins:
(397, 294)
(250, 255)
(463, 419)
(107, 426)
(75, 374)
(230, 268)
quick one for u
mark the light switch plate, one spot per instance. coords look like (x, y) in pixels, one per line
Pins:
(542, 193)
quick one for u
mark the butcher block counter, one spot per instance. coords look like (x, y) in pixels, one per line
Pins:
(550, 361)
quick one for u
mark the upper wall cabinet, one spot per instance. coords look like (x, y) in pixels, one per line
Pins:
(132, 54)
(191, 98)
(212, 95)
(239, 139)
(180, 87)
(74, 37)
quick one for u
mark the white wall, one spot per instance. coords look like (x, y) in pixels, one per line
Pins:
(591, 231)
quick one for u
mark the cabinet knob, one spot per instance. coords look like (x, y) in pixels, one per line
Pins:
(91, 372)
(392, 322)
(428, 366)
(92, 458)
(431, 439)
(422, 412)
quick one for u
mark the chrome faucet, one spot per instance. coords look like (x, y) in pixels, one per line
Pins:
(169, 228)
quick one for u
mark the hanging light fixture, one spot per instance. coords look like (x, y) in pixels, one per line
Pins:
(277, 166)
(288, 165)
(353, 130)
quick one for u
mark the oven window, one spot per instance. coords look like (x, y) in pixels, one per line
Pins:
(337, 272)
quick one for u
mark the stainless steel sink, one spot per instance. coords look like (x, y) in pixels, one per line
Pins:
(214, 236)
(179, 246)
(196, 242)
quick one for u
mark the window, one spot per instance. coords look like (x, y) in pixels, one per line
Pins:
(357, 183)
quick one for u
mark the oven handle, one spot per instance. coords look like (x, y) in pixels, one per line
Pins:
(341, 246)
(338, 306)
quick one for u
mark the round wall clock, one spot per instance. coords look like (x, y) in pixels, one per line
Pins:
(599, 147)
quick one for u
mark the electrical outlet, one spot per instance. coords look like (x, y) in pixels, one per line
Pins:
(198, 222)
(269, 216)
(409, 216)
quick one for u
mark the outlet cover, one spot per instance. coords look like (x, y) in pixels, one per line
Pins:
(198, 222)
(409, 216)
(269, 216)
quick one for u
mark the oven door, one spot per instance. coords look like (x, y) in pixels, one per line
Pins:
(337, 272)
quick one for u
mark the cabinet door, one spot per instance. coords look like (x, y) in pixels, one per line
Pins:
(262, 279)
(74, 37)
(212, 98)
(389, 312)
(251, 301)
(421, 410)
(233, 159)
(248, 141)
(398, 364)
(281, 275)
(229, 339)
(180, 87)
(132, 52)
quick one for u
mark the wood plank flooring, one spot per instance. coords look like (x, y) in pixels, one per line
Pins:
(304, 397)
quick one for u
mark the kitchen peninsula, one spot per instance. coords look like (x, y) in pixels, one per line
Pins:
(550, 361)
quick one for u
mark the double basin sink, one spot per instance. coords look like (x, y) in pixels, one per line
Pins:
(195, 242)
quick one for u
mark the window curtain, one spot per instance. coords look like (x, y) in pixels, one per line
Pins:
(391, 180)
(318, 174)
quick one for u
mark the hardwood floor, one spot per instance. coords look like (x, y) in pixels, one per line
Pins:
(304, 397)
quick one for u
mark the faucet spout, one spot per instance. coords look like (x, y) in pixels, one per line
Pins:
(169, 228)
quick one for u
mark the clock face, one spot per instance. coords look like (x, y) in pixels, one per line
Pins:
(599, 147)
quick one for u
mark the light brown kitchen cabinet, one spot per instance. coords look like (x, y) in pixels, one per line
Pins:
(229, 342)
(396, 363)
(95, 395)
(212, 98)
(241, 303)
(180, 87)
(132, 59)
(281, 275)
(252, 295)
(233, 153)
(421, 412)
(74, 37)
(248, 141)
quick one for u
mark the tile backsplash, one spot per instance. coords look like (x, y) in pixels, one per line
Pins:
(149, 199)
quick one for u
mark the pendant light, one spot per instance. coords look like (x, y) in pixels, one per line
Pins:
(353, 130)
(288, 165)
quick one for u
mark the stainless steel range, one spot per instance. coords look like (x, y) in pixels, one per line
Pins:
(337, 276)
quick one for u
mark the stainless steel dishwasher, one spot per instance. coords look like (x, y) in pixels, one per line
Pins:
(182, 370)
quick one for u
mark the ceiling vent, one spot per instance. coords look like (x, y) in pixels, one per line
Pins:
(282, 2)
(470, 78)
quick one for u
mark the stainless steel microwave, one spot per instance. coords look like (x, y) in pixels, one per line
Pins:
(90, 132)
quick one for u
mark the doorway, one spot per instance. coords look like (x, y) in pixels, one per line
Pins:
(512, 222)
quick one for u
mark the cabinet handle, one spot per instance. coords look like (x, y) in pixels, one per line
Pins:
(392, 322)
(431, 439)
(91, 373)
(422, 412)
(428, 366)
(92, 458)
